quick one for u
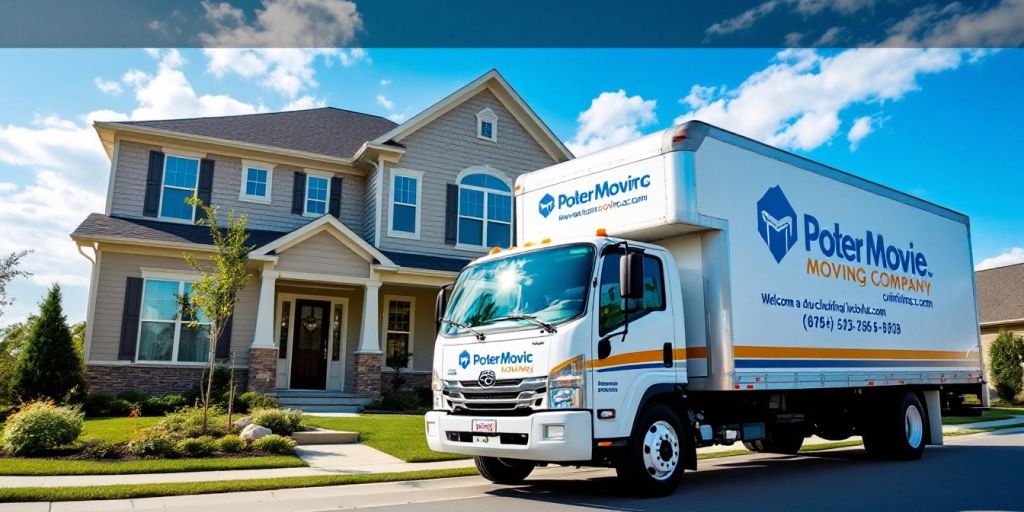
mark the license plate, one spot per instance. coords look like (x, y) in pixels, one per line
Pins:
(488, 426)
(481, 439)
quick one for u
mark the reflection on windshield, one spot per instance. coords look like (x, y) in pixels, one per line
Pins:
(550, 284)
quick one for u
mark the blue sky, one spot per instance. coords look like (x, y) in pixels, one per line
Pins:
(940, 124)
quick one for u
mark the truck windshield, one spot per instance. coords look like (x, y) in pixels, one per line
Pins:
(549, 285)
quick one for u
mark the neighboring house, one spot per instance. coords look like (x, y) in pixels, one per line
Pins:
(1000, 304)
(356, 221)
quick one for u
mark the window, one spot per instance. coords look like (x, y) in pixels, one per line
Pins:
(336, 332)
(611, 312)
(257, 182)
(398, 335)
(405, 197)
(181, 175)
(485, 211)
(317, 192)
(163, 334)
(282, 337)
(487, 125)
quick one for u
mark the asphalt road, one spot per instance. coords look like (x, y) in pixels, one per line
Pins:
(982, 472)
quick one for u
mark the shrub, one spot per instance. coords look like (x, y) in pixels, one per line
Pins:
(274, 443)
(161, 405)
(97, 404)
(196, 446)
(406, 400)
(1007, 356)
(151, 443)
(41, 426)
(101, 450)
(48, 365)
(279, 421)
(119, 408)
(188, 422)
(252, 400)
(230, 444)
(131, 396)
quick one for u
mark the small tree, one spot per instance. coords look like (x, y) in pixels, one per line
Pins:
(12, 338)
(8, 271)
(215, 294)
(48, 365)
(1007, 364)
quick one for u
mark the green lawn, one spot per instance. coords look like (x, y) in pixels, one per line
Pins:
(41, 466)
(400, 435)
(114, 430)
(128, 491)
(993, 414)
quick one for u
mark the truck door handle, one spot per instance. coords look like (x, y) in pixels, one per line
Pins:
(666, 354)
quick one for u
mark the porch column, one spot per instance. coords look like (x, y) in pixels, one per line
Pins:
(368, 354)
(263, 352)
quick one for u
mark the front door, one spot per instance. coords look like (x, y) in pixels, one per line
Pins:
(309, 346)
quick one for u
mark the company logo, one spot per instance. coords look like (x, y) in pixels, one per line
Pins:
(546, 205)
(464, 359)
(776, 222)
(486, 378)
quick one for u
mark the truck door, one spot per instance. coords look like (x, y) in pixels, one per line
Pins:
(641, 350)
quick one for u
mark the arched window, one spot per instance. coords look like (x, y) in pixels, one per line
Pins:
(485, 209)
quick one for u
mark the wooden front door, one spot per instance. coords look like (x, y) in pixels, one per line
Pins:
(309, 345)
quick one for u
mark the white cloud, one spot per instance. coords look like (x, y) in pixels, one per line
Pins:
(1008, 257)
(747, 18)
(304, 103)
(955, 26)
(613, 118)
(107, 86)
(862, 127)
(385, 102)
(385, 83)
(795, 102)
(398, 118)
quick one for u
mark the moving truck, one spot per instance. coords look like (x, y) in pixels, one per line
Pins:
(695, 287)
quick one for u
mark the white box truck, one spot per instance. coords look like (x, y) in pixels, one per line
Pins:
(695, 287)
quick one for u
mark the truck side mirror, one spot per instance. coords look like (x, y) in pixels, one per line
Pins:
(440, 306)
(631, 275)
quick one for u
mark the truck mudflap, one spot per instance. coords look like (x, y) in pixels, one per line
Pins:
(549, 436)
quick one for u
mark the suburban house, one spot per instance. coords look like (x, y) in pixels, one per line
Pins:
(1000, 304)
(356, 221)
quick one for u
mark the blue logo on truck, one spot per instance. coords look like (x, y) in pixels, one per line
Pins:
(464, 359)
(776, 222)
(546, 205)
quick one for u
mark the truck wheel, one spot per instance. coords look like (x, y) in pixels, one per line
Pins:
(653, 463)
(899, 432)
(503, 471)
(784, 440)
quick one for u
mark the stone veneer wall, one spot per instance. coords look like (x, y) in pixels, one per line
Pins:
(412, 380)
(368, 374)
(151, 380)
(263, 369)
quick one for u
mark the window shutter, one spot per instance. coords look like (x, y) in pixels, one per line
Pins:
(130, 319)
(299, 193)
(205, 188)
(154, 176)
(451, 214)
(224, 341)
(335, 204)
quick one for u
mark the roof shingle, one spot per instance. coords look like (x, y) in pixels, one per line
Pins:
(1000, 293)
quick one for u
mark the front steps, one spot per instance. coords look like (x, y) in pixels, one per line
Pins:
(319, 400)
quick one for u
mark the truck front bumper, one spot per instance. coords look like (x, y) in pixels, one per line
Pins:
(549, 436)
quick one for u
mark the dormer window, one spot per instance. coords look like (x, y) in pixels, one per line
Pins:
(487, 125)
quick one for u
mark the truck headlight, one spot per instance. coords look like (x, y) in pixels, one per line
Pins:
(565, 385)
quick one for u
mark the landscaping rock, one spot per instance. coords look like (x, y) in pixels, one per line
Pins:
(254, 432)
(243, 422)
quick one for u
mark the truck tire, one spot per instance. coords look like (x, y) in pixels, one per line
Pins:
(653, 463)
(504, 471)
(784, 440)
(899, 431)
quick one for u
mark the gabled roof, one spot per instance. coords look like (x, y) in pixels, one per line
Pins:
(1000, 294)
(326, 131)
(497, 84)
(329, 224)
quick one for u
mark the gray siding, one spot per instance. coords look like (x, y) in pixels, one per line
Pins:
(115, 267)
(130, 187)
(370, 205)
(444, 148)
(323, 254)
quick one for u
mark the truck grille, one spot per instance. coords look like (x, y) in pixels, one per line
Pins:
(504, 395)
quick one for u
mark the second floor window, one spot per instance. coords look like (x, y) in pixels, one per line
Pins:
(256, 184)
(405, 198)
(317, 192)
(485, 211)
(181, 175)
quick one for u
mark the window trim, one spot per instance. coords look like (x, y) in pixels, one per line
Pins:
(263, 166)
(195, 190)
(182, 278)
(305, 197)
(487, 115)
(488, 170)
(664, 304)
(412, 174)
(388, 299)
